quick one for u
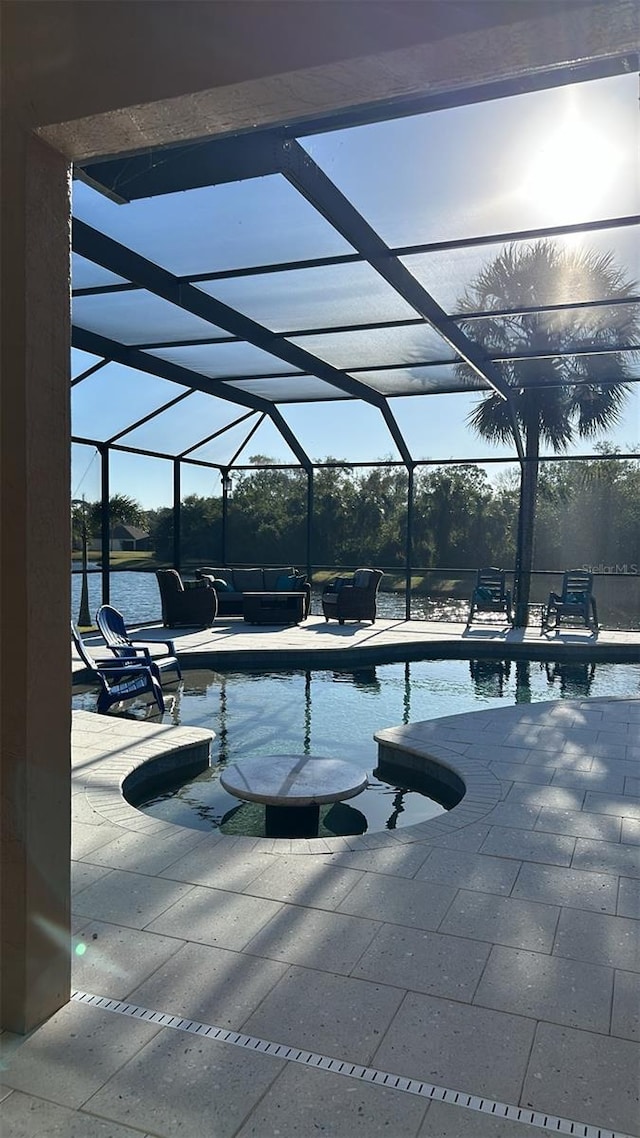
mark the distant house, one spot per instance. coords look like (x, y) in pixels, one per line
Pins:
(129, 538)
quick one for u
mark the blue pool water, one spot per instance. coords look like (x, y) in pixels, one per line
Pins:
(336, 713)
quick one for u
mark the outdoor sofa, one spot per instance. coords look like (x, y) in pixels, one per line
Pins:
(230, 585)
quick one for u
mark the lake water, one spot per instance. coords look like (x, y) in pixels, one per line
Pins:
(137, 597)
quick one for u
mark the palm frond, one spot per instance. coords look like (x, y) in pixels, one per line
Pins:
(558, 395)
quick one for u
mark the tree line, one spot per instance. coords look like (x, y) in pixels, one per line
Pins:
(588, 512)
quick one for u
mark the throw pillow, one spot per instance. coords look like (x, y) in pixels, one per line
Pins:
(270, 576)
(219, 585)
(575, 599)
(196, 584)
(287, 584)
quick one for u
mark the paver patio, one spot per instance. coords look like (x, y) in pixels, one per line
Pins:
(496, 956)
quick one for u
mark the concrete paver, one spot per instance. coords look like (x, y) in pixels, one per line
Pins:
(550, 849)
(577, 888)
(71, 1055)
(214, 916)
(341, 1016)
(502, 920)
(83, 874)
(584, 1076)
(470, 871)
(301, 1103)
(421, 961)
(445, 1121)
(24, 1116)
(629, 897)
(132, 899)
(630, 831)
(625, 1016)
(599, 937)
(144, 851)
(444, 1042)
(417, 903)
(397, 861)
(110, 960)
(547, 988)
(332, 942)
(578, 824)
(177, 1082)
(607, 857)
(212, 985)
(215, 864)
(305, 881)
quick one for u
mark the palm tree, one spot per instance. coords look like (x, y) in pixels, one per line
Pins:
(559, 392)
(122, 509)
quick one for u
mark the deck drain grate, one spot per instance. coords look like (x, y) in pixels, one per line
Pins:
(538, 1118)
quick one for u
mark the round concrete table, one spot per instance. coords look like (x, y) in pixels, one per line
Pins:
(293, 787)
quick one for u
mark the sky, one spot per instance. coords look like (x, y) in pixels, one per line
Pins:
(541, 159)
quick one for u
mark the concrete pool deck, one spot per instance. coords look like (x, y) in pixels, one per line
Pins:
(478, 978)
(231, 643)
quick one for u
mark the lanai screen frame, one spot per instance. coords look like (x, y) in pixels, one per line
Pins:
(277, 150)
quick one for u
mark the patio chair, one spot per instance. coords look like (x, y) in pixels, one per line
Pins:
(119, 679)
(575, 602)
(113, 628)
(490, 594)
(194, 606)
(489, 676)
(352, 598)
(576, 676)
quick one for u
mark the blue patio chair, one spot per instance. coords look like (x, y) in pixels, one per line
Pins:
(575, 602)
(119, 679)
(490, 594)
(113, 628)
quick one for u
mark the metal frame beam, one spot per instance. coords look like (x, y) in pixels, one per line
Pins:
(132, 357)
(110, 254)
(307, 177)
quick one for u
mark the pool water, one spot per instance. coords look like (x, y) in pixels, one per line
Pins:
(336, 713)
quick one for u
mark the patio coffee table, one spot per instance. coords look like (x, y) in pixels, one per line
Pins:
(273, 608)
(292, 788)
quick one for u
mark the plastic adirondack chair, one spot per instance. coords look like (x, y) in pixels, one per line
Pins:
(352, 598)
(575, 602)
(119, 679)
(113, 628)
(490, 594)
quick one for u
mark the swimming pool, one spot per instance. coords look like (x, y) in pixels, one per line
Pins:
(336, 713)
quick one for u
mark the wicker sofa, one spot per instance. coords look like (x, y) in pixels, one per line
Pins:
(230, 585)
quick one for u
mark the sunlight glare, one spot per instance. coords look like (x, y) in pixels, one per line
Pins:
(571, 169)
